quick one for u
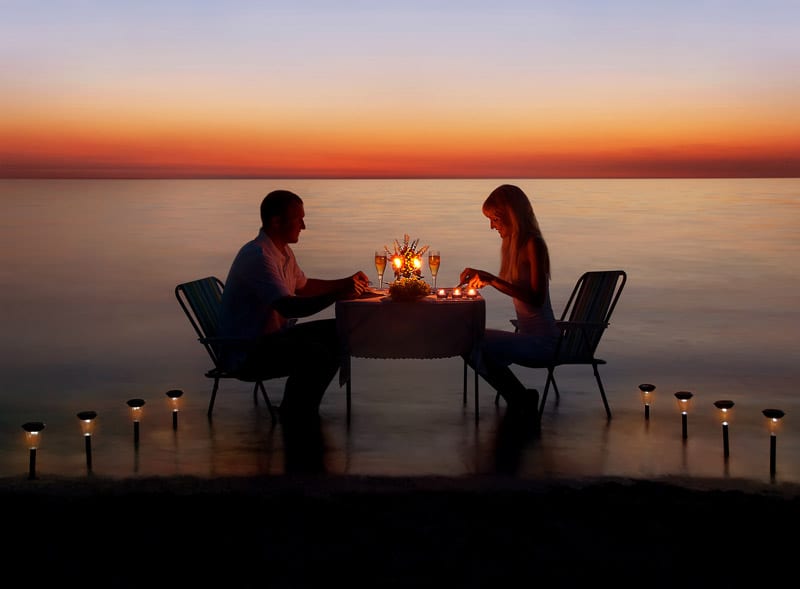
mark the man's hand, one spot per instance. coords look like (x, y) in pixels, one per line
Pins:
(357, 283)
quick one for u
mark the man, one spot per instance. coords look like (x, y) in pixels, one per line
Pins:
(266, 292)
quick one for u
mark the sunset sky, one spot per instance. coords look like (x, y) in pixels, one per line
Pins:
(399, 89)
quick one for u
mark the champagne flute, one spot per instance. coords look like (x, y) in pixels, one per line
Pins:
(434, 259)
(380, 266)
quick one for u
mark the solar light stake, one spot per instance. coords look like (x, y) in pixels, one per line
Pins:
(647, 397)
(726, 448)
(136, 414)
(174, 397)
(773, 416)
(684, 398)
(33, 435)
(773, 451)
(724, 407)
(87, 428)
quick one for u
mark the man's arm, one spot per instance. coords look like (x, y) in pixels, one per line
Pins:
(318, 294)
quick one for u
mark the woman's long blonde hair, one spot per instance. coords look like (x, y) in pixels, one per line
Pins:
(514, 208)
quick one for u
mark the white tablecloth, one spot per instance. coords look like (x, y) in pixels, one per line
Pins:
(429, 328)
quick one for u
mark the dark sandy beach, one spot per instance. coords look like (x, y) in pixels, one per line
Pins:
(317, 530)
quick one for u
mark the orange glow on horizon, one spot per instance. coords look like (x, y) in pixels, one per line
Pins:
(159, 145)
(413, 90)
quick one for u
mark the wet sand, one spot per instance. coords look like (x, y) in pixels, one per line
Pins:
(314, 530)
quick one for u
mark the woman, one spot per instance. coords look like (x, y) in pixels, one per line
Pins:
(525, 277)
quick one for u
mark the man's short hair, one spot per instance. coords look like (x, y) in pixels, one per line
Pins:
(276, 204)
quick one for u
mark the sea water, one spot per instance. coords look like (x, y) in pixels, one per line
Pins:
(88, 270)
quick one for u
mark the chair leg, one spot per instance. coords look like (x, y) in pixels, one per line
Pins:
(213, 396)
(476, 398)
(347, 393)
(464, 400)
(543, 400)
(260, 385)
(555, 386)
(602, 390)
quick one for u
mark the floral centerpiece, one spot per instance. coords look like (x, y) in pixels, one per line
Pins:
(406, 262)
(409, 289)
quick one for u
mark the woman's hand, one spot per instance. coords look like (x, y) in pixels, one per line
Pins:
(473, 278)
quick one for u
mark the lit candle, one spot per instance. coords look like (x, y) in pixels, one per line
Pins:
(398, 262)
(417, 263)
(472, 293)
(456, 293)
(441, 294)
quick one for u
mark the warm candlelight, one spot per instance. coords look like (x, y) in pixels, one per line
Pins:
(441, 294)
(472, 293)
(417, 263)
(397, 262)
(456, 293)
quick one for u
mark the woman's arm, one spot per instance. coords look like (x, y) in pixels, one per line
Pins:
(531, 291)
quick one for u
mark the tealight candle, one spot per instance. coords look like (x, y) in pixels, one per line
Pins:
(456, 293)
(472, 293)
(441, 294)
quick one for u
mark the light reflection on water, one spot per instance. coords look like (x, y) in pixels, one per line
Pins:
(90, 320)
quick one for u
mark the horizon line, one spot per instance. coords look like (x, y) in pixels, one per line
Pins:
(391, 177)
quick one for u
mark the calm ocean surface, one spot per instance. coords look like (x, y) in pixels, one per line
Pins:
(88, 268)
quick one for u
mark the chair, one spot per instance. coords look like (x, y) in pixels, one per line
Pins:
(583, 322)
(201, 301)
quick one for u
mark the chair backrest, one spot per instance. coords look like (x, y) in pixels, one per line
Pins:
(201, 300)
(589, 309)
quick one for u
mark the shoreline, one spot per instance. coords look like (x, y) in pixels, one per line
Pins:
(327, 484)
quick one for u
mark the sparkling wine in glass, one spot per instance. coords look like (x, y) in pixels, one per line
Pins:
(380, 266)
(434, 259)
